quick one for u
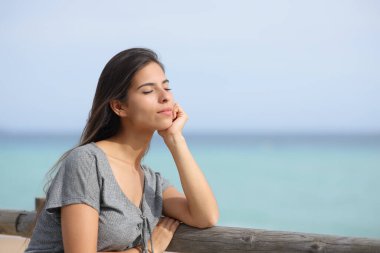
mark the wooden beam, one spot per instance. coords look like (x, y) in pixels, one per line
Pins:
(224, 239)
(14, 222)
(232, 239)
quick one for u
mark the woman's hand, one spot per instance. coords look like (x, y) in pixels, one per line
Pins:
(163, 234)
(179, 120)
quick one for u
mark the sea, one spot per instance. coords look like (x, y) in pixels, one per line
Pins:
(309, 183)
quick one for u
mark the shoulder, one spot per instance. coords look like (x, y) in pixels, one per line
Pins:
(81, 157)
(81, 152)
(78, 168)
(86, 149)
(77, 180)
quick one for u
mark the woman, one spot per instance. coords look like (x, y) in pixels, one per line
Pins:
(102, 198)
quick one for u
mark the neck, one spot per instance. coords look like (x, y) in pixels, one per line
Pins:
(130, 145)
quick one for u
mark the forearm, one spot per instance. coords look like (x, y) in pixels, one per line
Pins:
(202, 204)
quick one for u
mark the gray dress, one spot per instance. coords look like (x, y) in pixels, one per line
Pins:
(85, 176)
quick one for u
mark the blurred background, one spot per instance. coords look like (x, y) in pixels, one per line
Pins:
(283, 99)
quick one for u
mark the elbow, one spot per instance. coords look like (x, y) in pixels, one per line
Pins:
(205, 218)
(212, 221)
(208, 222)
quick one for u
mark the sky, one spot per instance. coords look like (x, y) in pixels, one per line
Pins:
(253, 66)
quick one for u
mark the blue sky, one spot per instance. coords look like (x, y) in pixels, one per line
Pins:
(253, 66)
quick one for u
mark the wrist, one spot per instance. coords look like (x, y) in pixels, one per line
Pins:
(174, 139)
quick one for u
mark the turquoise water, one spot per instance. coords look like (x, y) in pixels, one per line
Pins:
(315, 184)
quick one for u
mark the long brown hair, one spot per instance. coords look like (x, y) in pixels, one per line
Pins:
(114, 83)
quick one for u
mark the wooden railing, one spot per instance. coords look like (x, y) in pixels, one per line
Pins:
(221, 239)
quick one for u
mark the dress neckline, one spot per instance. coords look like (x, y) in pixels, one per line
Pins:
(109, 168)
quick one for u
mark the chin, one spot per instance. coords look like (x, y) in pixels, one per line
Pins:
(164, 126)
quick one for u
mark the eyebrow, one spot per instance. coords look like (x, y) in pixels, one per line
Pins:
(152, 84)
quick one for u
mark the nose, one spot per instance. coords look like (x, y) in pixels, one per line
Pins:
(165, 96)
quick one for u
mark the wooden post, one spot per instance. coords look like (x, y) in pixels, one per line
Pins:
(39, 204)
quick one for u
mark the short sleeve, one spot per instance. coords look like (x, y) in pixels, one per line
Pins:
(165, 183)
(76, 182)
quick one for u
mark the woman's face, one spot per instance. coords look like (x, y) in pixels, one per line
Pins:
(149, 95)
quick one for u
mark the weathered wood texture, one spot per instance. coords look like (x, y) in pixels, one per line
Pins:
(39, 204)
(17, 222)
(230, 239)
(224, 239)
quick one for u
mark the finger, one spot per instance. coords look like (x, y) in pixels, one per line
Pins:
(169, 223)
(173, 227)
(162, 221)
(174, 111)
(179, 110)
(166, 221)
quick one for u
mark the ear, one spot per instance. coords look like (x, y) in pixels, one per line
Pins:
(118, 107)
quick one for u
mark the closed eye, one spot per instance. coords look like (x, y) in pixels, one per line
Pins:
(147, 92)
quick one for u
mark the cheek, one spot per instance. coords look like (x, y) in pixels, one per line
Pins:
(142, 110)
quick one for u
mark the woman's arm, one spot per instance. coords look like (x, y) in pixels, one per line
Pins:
(80, 229)
(198, 207)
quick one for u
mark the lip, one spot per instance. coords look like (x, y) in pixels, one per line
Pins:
(166, 111)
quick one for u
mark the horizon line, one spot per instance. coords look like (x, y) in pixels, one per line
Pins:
(6, 132)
